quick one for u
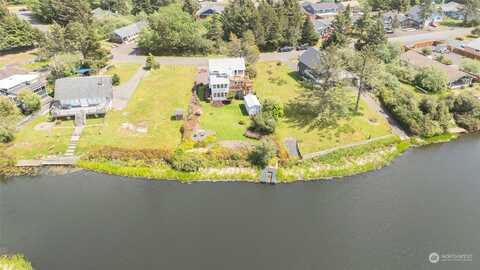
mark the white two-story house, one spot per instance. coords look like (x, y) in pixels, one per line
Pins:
(225, 75)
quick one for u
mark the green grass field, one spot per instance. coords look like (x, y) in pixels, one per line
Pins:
(31, 143)
(279, 83)
(225, 121)
(124, 70)
(151, 107)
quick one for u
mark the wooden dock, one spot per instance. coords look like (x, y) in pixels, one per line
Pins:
(49, 161)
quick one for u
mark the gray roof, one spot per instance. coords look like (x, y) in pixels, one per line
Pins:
(321, 25)
(215, 8)
(452, 7)
(316, 7)
(312, 58)
(98, 13)
(83, 87)
(130, 30)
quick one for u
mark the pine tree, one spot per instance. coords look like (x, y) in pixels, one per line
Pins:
(215, 31)
(309, 36)
(294, 21)
(191, 6)
(341, 28)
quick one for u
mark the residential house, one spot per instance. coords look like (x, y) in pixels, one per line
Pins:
(128, 33)
(390, 19)
(322, 10)
(226, 75)
(89, 95)
(12, 85)
(252, 104)
(209, 8)
(311, 67)
(354, 6)
(414, 18)
(101, 13)
(456, 78)
(322, 27)
(453, 10)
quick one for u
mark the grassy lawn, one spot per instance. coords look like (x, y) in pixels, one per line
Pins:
(225, 120)
(151, 107)
(36, 65)
(279, 83)
(450, 22)
(17, 58)
(31, 142)
(124, 70)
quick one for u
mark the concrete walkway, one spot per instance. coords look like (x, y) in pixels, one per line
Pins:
(74, 141)
(122, 93)
(375, 105)
(328, 151)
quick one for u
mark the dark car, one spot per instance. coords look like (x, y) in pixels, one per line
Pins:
(285, 49)
(303, 47)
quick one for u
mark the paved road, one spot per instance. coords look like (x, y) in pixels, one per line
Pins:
(408, 38)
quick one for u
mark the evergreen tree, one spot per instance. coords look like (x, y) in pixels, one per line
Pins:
(117, 6)
(294, 20)
(371, 33)
(3, 9)
(341, 29)
(191, 6)
(149, 6)
(15, 32)
(215, 31)
(240, 16)
(309, 35)
(471, 10)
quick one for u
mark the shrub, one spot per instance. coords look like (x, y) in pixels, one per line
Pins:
(187, 162)
(427, 51)
(263, 123)
(263, 153)
(471, 66)
(403, 72)
(151, 62)
(30, 102)
(444, 60)
(431, 79)
(273, 108)
(149, 156)
(466, 111)
(14, 262)
(6, 135)
(115, 79)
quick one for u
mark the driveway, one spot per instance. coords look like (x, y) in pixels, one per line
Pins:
(122, 93)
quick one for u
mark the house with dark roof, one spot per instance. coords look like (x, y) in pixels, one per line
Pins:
(311, 66)
(456, 78)
(414, 18)
(87, 95)
(322, 10)
(209, 8)
(453, 10)
(128, 33)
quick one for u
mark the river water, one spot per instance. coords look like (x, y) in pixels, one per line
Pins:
(426, 201)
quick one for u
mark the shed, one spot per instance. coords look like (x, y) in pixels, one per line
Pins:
(179, 114)
(252, 104)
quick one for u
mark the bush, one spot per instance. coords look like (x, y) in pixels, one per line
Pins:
(263, 123)
(403, 72)
(263, 153)
(273, 108)
(427, 51)
(187, 162)
(6, 135)
(466, 111)
(30, 102)
(431, 79)
(444, 60)
(115, 79)
(471, 66)
(151, 62)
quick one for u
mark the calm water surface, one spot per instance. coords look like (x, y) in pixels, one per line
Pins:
(427, 201)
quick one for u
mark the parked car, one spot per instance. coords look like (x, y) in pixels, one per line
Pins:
(389, 30)
(303, 47)
(285, 49)
(442, 48)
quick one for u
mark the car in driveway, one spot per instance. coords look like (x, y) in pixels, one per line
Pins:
(285, 49)
(303, 47)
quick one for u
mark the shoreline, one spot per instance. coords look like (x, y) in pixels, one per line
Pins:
(346, 162)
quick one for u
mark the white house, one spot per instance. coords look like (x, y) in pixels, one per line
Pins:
(252, 104)
(12, 85)
(223, 75)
